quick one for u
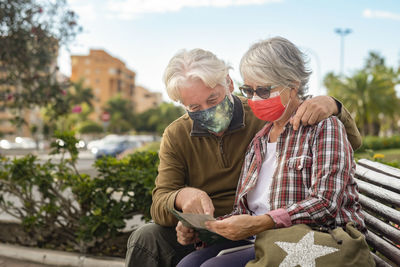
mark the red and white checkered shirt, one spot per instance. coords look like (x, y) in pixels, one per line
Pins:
(313, 182)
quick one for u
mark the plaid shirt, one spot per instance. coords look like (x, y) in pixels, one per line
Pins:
(313, 182)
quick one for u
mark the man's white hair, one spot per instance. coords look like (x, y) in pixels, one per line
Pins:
(196, 64)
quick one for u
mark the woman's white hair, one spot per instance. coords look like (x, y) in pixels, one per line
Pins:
(196, 64)
(275, 61)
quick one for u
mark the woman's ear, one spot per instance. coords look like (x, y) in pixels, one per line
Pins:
(294, 88)
(295, 85)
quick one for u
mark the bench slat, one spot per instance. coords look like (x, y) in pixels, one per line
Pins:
(379, 262)
(379, 184)
(378, 192)
(384, 247)
(371, 176)
(381, 209)
(379, 167)
(382, 228)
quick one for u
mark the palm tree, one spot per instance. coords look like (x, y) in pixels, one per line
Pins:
(369, 96)
(122, 115)
(81, 94)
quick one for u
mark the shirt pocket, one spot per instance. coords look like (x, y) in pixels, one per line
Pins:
(300, 169)
(299, 163)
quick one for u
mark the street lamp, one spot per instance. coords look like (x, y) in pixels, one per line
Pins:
(342, 33)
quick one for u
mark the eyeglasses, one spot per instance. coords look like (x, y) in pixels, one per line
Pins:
(262, 91)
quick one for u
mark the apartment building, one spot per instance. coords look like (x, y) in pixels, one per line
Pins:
(144, 99)
(108, 76)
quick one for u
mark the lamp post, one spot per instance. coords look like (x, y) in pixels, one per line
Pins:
(342, 33)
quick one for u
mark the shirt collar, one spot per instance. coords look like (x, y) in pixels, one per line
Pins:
(237, 121)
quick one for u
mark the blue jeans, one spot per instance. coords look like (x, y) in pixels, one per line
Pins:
(206, 257)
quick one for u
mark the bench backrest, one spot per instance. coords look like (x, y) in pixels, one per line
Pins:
(379, 187)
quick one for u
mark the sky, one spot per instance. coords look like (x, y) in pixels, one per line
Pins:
(145, 34)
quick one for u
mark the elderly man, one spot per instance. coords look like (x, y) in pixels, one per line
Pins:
(202, 152)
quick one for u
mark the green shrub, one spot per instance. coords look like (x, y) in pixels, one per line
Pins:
(90, 127)
(379, 143)
(59, 203)
(152, 146)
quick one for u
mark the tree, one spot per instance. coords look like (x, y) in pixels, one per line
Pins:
(122, 115)
(76, 106)
(80, 93)
(31, 32)
(369, 94)
(157, 119)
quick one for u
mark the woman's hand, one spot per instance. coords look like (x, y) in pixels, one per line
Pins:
(240, 226)
(185, 235)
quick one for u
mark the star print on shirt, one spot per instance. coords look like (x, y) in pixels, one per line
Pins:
(304, 252)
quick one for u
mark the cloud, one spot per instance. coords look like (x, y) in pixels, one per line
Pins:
(85, 11)
(129, 9)
(378, 14)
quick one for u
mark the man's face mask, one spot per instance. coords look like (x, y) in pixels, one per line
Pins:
(215, 119)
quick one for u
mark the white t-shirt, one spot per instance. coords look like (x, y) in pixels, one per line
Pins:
(258, 197)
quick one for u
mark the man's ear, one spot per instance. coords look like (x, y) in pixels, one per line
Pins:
(230, 83)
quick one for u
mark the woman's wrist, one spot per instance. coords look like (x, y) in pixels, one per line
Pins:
(264, 222)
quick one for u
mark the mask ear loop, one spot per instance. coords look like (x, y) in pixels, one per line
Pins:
(228, 92)
(287, 104)
(274, 94)
(229, 95)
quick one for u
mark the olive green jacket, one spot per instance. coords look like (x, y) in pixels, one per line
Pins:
(191, 156)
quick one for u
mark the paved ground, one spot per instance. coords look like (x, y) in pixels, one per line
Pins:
(7, 262)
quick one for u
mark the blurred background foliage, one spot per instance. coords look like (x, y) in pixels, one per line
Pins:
(63, 208)
(370, 96)
(31, 33)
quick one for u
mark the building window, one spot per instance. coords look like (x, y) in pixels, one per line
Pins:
(112, 71)
(119, 86)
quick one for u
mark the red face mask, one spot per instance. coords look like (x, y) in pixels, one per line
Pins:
(269, 109)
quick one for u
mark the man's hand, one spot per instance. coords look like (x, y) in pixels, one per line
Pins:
(314, 110)
(192, 200)
(239, 227)
(185, 235)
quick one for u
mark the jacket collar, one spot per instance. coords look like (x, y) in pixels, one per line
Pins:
(236, 123)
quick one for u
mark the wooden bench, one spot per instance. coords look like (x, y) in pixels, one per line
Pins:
(379, 187)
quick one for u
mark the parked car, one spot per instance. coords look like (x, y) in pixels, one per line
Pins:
(113, 147)
(19, 143)
(5, 144)
(94, 145)
(25, 142)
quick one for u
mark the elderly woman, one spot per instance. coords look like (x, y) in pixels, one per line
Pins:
(288, 177)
